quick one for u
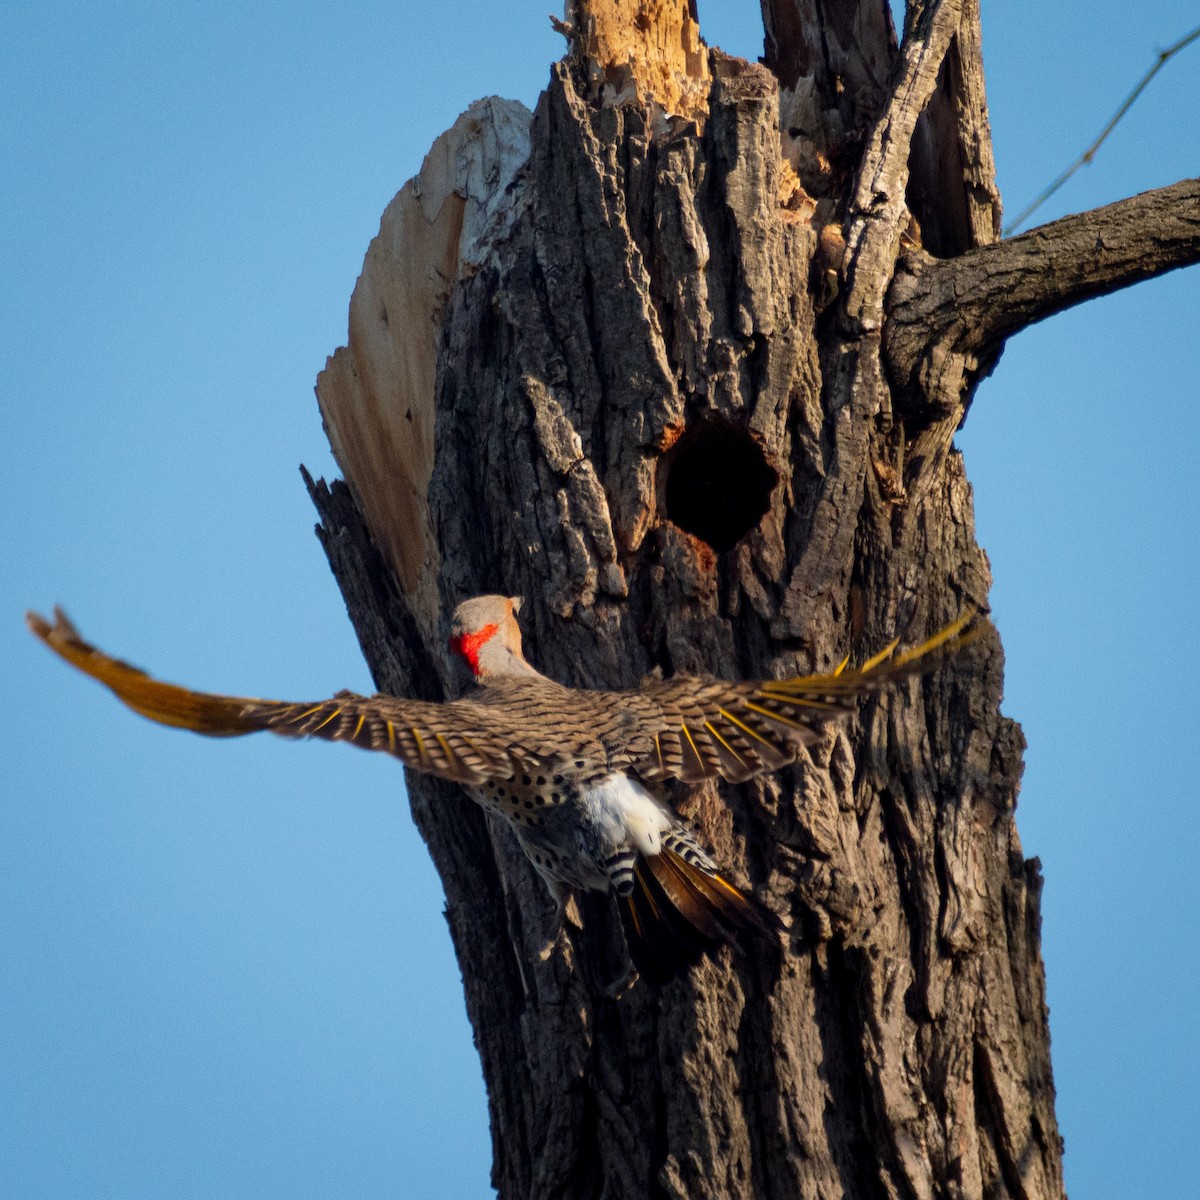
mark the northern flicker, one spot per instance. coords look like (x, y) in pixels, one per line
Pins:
(572, 771)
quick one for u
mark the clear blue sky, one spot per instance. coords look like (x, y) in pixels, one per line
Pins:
(223, 966)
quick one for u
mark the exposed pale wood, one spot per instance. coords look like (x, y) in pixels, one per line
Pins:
(644, 51)
(376, 393)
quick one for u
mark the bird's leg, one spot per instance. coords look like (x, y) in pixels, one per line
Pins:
(565, 919)
(622, 984)
(565, 913)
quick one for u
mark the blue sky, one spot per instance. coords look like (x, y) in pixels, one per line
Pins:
(225, 969)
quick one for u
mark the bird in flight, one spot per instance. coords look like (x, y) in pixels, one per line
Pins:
(576, 773)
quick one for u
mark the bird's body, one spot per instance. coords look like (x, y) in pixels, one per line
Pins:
(580, 833)
(572, 771)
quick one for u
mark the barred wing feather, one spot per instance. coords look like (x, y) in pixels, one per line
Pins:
(739, 730)
(462, 741)
(683, 728)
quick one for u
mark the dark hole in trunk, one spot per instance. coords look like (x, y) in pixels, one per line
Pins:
(719, 484)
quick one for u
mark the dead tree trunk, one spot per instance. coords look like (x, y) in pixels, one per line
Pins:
(679, 358)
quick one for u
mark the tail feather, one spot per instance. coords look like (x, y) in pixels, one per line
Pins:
(679, 911)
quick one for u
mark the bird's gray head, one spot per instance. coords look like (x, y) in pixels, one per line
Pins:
(485, 634)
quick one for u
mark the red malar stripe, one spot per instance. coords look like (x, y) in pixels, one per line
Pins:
(469, 645)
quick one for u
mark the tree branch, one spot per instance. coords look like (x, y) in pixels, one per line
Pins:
(968, 306)
(952, 172)
(878, 212)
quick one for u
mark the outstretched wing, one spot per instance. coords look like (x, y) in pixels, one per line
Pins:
(683, 728)
(738, 730)
(463, 741)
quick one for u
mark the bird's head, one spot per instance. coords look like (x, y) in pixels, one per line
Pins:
(485, 634)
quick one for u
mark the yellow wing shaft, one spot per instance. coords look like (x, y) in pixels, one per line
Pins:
(703, 728)
(739, 730)
(882, 668)
(167, 703)
(453, 741)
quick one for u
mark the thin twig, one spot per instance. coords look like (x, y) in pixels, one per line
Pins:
(1090, 153)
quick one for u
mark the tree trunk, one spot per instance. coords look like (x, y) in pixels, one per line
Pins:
(684, 373)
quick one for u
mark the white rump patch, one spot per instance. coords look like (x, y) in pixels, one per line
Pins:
(625, 814)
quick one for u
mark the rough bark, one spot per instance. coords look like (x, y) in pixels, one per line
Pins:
(662, 413)
(952, 189)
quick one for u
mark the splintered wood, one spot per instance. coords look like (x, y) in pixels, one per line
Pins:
(377, 392)
(650, 52)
